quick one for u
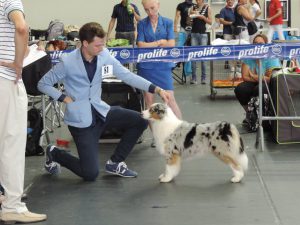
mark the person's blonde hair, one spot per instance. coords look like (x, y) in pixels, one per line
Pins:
(145, 1)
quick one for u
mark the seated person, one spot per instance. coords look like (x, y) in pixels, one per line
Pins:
(250, 68)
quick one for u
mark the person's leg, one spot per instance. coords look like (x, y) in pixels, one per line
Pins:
(244, 92)
(131, 38)
(87, 143)
(270, 33)
(256, 91)
(173, 104)
(279, 30)
(149, 99)
(203, 42)
(13, 123)
(232, 63)
(194, 42)
(131, 123)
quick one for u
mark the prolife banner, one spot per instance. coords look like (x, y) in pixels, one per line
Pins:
(199, 53)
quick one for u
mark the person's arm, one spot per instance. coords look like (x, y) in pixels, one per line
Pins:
(141, 43)
(110, 27)
(136, 81)
(258, 12)
(136, 13)
(53, 76)
(170, 39)
(252, 76)
(207, 19)
(21, 42)
(166, 43)
(176, 20)
(158, 43)
(244, 12)
(279, 12)
(247, 75)
(225, 22)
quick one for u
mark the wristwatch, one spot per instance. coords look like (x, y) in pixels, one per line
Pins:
(159, 91)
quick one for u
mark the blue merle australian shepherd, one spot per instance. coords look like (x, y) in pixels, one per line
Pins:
(177, 139)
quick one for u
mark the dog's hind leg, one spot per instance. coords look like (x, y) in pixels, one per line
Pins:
(237, 169)
(172, 168)
(238, 174)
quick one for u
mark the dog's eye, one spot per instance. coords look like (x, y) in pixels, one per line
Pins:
(160, 111)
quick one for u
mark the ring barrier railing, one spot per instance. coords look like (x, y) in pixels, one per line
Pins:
(284, 51)
(199, 53)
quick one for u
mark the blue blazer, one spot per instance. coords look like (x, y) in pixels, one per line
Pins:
(71, 72)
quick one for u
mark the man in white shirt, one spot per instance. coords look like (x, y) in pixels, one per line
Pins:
(13, 113)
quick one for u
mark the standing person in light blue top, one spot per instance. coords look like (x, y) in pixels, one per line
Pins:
(157, 31)
(250, 69)
(87, 116)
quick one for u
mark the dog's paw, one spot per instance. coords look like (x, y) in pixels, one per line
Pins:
(236, 179)
(162, 175)
(165, 179)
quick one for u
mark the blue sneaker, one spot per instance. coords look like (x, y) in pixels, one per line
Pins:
(119, 169)
(51, 166)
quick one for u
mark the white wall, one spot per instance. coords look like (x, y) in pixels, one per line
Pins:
(295, 8)
(40, 12)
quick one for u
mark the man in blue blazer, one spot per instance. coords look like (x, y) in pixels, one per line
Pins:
(86, 114)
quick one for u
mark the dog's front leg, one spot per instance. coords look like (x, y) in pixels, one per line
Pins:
(172, 168)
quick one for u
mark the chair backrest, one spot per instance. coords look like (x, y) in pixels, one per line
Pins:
(33, 72)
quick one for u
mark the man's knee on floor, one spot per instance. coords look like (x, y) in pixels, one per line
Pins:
(90, 175)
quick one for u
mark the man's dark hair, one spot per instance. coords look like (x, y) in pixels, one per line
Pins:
(90, 30)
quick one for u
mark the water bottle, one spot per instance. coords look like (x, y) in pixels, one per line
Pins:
(129, 9)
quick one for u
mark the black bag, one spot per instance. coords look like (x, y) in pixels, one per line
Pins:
(72, 35)
(252, 28)
(34, 132)
(236, 30)
(285, 92)
(253, 109)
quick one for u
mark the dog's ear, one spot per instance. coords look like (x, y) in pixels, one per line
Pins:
(161, 108)
(158, 110)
